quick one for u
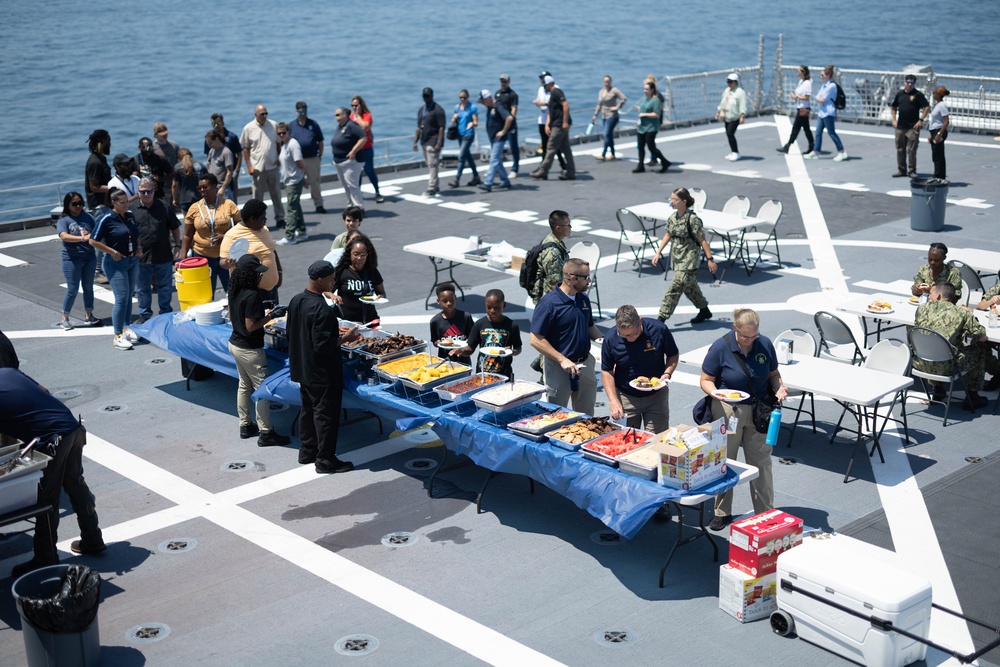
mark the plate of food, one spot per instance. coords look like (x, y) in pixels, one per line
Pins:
(643, 383)
(496, 351)
(453, 343)
(730, 395)
(373, 298)
(914, 300)
(880, 307)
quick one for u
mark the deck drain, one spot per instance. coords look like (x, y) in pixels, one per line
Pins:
(608, 538)
(356, 645)
(795, 235)
(617, 637)
(177, 545)
(788, 461)
(157, 361)
(66, 393)
(239, 465)
(902, 234)
(114, 408)
(400, 539)
(421, 464)
(421, 436)
(973, 459)
(147, 633)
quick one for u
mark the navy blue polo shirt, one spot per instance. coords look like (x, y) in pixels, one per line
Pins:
(723, 366)
(309, 136)
(118, 234)
(565, 323)
(647, 355)
(27, 411)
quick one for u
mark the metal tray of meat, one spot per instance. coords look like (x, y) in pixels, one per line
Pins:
(536, 391)
(447, 394)
(356, 348)
(530, 424)
(419, 346)
(392, 377)
(460, 371)
(604, 458)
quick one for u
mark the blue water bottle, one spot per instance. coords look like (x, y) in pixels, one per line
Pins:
(773, 427)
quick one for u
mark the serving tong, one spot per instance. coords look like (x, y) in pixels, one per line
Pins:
(16, 458)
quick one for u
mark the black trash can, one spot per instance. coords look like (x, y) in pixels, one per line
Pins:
(58, 608)
(928, 199)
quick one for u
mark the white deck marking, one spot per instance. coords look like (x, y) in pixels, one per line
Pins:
(433, 618)
(9, 262)
(516, 216)
(31, 241)
(895, 287)
(101, 293)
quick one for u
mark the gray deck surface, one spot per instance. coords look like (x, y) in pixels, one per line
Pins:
(279, 575)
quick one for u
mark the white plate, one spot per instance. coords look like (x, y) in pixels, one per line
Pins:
(455, 345)
(239, 248)
(663, 383)
(880, 312)
(373, 299)
(721, 395)
(496, 351)
(914, 301)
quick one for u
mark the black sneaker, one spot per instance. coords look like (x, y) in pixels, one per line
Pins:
(306, 459)
(474, 182)
(638, 170)
(272, 439)
(666, 165)
(719, 522)
(379, 199)
(78, 547)
(248, 431)
(993, 384)
(324, 467)
(783, 149)
(321, 209)
(974, 402)
(703, 314)
(662, 515)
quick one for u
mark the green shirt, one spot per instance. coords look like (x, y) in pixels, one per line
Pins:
(949, 274)
(951, 321)
(686, 234)
(550, 265)
(648, 123)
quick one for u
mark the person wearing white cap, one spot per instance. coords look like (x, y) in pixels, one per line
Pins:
(732, 111)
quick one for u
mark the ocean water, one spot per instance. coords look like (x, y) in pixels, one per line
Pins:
(70, 67)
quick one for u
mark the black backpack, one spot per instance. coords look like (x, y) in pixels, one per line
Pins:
(529, 270)
(840, 103)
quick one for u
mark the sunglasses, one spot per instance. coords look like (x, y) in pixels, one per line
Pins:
(145, 192)
(76, 203)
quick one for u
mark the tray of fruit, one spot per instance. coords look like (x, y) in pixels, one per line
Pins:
(390, 370)
(572, 436)
(462, 389)
(608, 447)
(430, 376)
(508, 396)
(549, 421)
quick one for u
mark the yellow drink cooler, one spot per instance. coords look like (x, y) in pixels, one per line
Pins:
(194, 282)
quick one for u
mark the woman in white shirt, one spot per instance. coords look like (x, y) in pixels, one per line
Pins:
(801, 97)
(939, 131)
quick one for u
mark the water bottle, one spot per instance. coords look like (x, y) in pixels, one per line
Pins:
(991, 319)
(574, 382)
(773, 427)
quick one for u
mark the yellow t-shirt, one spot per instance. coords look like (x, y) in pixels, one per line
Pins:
(261, 245)
(200, 216)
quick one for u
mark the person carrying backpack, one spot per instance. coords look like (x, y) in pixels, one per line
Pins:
(830, 98)
(542, 268)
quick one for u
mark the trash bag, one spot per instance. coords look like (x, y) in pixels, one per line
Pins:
(73, 607)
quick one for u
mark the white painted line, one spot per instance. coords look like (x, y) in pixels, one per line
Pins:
(31, 241)
(471, 207)
(101, 293)
(851, 187)
(8, 262)
(59, 333)
(895, 287)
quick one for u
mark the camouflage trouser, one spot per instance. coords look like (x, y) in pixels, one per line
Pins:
(974, 360)
(686, 283)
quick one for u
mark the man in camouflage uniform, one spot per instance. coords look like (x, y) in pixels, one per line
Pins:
(940, 314)
(990, 299)
(551, 260)
(935, 266)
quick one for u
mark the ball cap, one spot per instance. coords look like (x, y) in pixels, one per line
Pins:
(320, 269)
(250, 262)
(485, 94)
(547, 80)
(733, 77)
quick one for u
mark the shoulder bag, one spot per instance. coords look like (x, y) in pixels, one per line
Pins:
(760, 408)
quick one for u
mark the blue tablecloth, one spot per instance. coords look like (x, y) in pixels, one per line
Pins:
(622, 502)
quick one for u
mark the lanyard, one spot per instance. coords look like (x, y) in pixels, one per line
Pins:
(203, 209)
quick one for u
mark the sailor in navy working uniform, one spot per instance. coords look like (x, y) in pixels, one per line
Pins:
(29, 411)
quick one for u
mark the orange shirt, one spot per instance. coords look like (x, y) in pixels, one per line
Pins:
(200, 216)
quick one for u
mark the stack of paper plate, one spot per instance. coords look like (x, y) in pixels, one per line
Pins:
(207, 314)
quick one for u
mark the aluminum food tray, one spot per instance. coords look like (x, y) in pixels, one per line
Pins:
(389, 377)
(562, 444)
(38, 461)
(395, 354)
(604, 458)
(635, 469)
(364, 333)
(537, 437)
(446, 395)
(524, 425)
(407, 382)
(516, 403)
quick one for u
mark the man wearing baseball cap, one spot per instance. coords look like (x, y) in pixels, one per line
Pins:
(507, 98)
(498, 122)
(733, 112)
(314, 362)
(557, 127)
(909, 110)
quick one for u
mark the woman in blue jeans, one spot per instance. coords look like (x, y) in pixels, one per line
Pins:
(827, 117)
(609, 101)
(363, 117)
(79, 261)
(467, 116)
(117, 236)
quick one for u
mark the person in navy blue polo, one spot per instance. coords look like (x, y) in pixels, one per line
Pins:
(561, 329)
(638, 347)
(307, 132)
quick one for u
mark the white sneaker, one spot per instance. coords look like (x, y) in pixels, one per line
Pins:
(301, 236)
(734, 156)
(285, 241)
(729, 157)
(811, 155)
(130, 335)
(121, 343)
(511, 175)
(840, 157)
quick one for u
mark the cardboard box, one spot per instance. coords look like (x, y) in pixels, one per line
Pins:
(755, 542)
(516, 262)
(691, 456)
(747, 598)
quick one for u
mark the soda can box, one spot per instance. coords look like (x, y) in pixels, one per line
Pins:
(755, 542)
(691, 456)
(747, 598)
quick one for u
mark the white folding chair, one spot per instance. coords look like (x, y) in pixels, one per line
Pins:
(889, 356)
(802, 343)
(928, 346)
(636, 235)
(590, 253)
(700, 198)
(836, 340)
(971, 281)
(770, 211)
(736, 205)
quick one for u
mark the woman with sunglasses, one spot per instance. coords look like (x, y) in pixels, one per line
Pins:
(79, 261)
(206, 222)
(356, 276)
(467, 118)
(363, 117)
(117, 236)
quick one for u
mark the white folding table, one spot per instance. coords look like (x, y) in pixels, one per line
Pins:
(445, 254)
(903, 314)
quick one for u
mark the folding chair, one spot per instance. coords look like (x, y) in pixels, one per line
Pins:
(735, 206)
(889, 356)
(802, 343)
(928, 346)
(700, 198)
(770, 211)
(836, 340)
(971, 279)
(636, 235)
(590, 253)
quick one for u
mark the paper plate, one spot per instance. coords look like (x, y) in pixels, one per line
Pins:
(663, 383)
(496, 351)
(239, 248)
(722, 395)
(373, 299)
